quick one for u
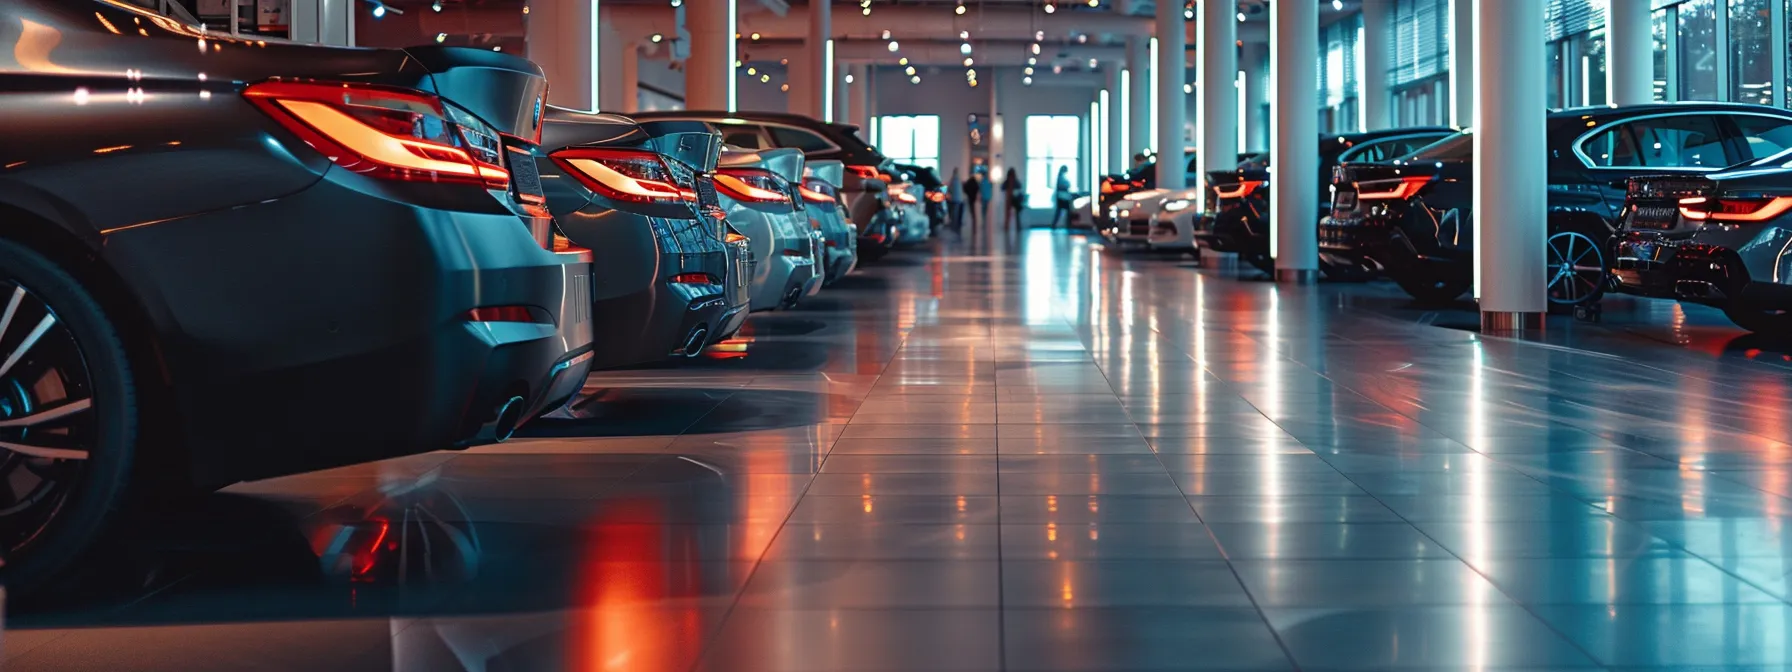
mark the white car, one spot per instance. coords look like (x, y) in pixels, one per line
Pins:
(1130, 217)
(1173, 224)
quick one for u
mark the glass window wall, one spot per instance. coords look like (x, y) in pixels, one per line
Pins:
(1751, 51)
(1698, 50)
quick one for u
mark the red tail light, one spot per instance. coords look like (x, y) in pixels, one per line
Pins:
(529, 314)
(733, 237)
(796, 253)
(863, 172)
(1404, 189)
(886, 177)
(624, 175)
(936, 197)
(906, 197)
(814, 196)
(1699, 208)
(385, 132)
(755, 186)
(694, 279)
(1240, 190)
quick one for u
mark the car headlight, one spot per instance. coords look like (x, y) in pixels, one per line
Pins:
(1177, 205)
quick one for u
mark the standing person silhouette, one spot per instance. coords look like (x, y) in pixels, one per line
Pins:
(973, 196)
(1062, 197)
(986, 191)
(1014, 199)
(955, 201)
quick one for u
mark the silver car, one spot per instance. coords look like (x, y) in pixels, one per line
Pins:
(758, 190)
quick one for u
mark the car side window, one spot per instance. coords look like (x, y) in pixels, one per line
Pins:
(1764, 136)
(1614, 148)
(799, 139)
(1398, 147)
(1368, 153)
(746, 137)
(1679, 141)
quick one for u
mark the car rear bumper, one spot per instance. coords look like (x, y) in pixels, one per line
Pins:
(1705, 268)
(333, 326)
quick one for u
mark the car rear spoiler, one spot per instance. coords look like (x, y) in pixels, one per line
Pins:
(829, 171)
(504, 90)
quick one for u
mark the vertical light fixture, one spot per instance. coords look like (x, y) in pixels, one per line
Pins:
(733, 55)
(1125, 113)
(827, 81)
(1094, 142)
(1102, 156)
(1244, 109)
(1155, 90)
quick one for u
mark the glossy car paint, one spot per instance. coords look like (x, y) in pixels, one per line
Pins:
(1741, 266)
(783, 255)
(840, 236)
(844, 143)
(1239, 199)
(292, 313)
(1425, 242)
(646, 254)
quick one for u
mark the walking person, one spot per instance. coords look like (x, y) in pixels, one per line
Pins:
(973, 196)
(1062, 197)
(955, 201)
(1014, 200)
(986, 192)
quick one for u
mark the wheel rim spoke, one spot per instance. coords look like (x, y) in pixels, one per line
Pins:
(30, 340)
(58, 412)
(44, 451)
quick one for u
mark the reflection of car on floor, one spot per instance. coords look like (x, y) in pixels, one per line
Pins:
(1412, 218)
(821, 196)
(1718, 240)
(1238, 219)
(759, 193)
(641, 197)
(364, 272)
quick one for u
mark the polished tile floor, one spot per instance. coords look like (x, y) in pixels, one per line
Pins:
(1031, 454)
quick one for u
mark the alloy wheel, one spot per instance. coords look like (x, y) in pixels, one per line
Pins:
(47, 423)
(1575, 268)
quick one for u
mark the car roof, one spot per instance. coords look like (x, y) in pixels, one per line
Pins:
(780, 117)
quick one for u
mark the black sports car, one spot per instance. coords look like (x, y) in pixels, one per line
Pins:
(228, 259)
(1412, 218)
(1719, 240)
(642, 198)
(1238, 217)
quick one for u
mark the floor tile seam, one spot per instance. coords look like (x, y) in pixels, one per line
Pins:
(1528, 610)
(1255, 606)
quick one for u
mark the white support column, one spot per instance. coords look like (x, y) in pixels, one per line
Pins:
(1462, 62)
(620, 70)
(709, 82)
(1172, 71)
(1217, 98)
(1294, 132)
(1378, 40)
(1138, 100)
(1114, 144)
(1510, 189)
(330, 22)
(808, 75)
(1255, 64)
(565, 38)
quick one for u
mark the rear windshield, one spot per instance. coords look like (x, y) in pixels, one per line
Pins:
(1458, 147)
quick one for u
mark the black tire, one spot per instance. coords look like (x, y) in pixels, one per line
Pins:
(1429, 288)
(1772, 323)
(1345, 272)
(47, 530)
(1261, 262)
(1575, 266)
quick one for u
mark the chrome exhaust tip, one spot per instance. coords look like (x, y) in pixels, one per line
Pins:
(510, 415)
(693, 344)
